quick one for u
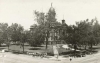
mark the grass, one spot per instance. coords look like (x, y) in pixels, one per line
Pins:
(28, 48)
(41, 49)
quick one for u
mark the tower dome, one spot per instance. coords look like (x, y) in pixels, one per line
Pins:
(51, 8)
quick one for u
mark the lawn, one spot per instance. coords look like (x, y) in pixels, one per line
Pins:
(41, 49)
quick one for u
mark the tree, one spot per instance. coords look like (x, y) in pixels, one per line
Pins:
(16, 30)
(96, 31)
(39, 17)
(3, 34)
(37, 36)
(84, 28)
(8, 35)
(84, 32)
(69, 35)
(24, 38)
(45, 21)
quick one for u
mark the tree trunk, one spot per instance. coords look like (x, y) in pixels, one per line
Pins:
(46, 42)
(91, 45)
(85, 47)
(0, 44)
(47, 39)
(80, 47)
(8, 47)
(23, 47)
(75, 47)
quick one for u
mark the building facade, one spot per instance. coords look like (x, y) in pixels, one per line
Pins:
(56, 33)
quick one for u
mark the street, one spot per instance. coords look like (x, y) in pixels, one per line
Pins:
(18, 58)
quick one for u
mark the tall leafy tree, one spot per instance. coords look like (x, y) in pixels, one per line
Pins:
(96, 31)
(84, 29)
(3, 34)
(45, 22)
(37, 36)
(24, 38)
(16, 30)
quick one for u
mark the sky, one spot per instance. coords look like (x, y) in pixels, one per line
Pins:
(22, 11)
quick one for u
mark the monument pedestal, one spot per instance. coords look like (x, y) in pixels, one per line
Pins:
(55, 50)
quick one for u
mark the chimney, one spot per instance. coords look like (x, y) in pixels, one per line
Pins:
(63, 21)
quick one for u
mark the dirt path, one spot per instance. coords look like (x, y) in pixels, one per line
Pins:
(15, 58)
